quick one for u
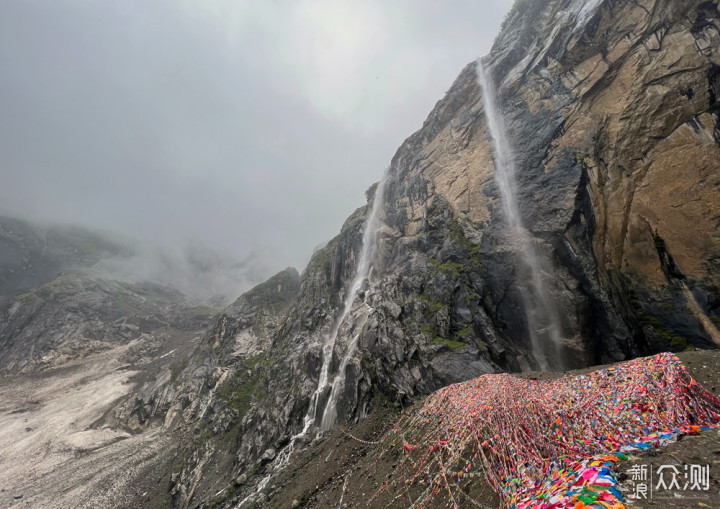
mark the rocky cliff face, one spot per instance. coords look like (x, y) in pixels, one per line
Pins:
(612, 110)
(623, 99)
(604, 102)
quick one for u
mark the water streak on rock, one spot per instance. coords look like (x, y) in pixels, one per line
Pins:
(541, 313)
(365, 263)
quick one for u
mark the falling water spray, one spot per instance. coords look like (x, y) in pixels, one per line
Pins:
(373, 222)
(365, 264)
(541, 313)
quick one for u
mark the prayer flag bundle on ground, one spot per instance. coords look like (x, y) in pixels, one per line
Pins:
(547, 444)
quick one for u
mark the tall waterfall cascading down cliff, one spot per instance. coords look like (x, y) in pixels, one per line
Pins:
(362, 272)
(520, 229)
(541, 312)
(365, 264)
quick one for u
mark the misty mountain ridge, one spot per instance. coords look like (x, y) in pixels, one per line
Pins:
(33, 253)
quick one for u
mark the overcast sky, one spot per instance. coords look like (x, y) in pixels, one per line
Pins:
(250, 126)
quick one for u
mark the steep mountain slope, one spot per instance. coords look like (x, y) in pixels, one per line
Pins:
(76, 314)
(77, 352)
(55, 305)
(612, 110)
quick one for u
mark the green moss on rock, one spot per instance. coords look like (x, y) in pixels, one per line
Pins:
(453, 345)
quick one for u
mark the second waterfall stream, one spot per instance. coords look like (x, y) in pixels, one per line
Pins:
(541, 313)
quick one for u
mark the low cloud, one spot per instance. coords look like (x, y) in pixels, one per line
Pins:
(202, 274)
(250, 127)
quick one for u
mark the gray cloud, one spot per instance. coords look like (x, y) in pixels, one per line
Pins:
(252, 127)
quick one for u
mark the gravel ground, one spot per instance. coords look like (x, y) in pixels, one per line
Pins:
(53, 455)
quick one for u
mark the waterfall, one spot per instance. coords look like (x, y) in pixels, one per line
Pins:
(367, 256)
(541, 313)
(362, 271)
